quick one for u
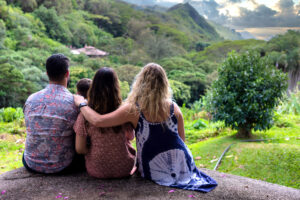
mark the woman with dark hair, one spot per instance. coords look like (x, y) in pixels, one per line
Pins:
(109, 154)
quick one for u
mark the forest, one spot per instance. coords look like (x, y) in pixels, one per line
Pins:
(179, 39)
(190, 48)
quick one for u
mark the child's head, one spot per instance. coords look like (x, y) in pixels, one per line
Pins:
(151, 90)
(83, 86)
(104, 94)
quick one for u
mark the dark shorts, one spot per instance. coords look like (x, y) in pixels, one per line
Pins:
(77, 165)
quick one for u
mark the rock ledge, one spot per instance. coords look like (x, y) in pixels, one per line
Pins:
(20, 184)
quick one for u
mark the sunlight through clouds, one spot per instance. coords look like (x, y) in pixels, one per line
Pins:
(261, 18)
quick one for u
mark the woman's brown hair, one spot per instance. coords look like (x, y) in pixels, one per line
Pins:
(104, 94)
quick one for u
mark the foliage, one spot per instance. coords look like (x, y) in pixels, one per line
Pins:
(124, 87)
(285, 51)
(10, 114)
(246, 93)
(291, 104)
(127, 73)
(2, 33)
(77, 73)
(181, 92)
(11, 82)
(53, 24)
(199, 124)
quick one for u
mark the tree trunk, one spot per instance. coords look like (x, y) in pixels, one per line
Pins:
(244, 132)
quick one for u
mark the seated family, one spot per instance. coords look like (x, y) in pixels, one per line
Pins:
(105, 127)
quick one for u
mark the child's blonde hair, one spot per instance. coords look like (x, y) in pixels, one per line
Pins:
(151, 91)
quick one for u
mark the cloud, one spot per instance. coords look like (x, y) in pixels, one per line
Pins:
(210, 9)
(241, 13)
(262, 16)
(235, 1)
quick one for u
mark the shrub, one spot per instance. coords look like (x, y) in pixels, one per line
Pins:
(181, 92)
(246, 92)
(199, 124)
(10, 114)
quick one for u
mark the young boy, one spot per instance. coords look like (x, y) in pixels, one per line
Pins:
(83, 86)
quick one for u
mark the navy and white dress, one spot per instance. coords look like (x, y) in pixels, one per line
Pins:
(164, 158)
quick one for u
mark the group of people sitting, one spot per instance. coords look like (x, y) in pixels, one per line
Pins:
(62, 127)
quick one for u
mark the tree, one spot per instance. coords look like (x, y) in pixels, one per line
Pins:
(246, 92)
(127, 73)
(2, 33)
(285, 53)
(28, 5)
(54, 26)
(77, 73)
(61, 6)
(12, 92)
(124, 87)
(181, 92)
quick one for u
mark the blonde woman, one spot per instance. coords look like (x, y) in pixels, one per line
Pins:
(162, 155)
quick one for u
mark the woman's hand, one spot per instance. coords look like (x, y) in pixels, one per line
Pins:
(78, 99)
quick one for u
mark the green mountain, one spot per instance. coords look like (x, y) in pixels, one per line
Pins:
(189, 19)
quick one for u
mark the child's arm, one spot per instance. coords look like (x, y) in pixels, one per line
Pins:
(80, 144)
(179, 117)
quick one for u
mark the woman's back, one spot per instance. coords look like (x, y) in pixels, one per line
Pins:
(110, 153)
(164, 158)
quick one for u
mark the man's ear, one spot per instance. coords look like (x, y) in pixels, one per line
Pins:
(67, 74)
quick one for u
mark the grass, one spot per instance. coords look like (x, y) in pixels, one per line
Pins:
(276, 161)
(11, 150)
(12, 144)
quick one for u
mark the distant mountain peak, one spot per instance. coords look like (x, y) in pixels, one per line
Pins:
(183, 6)
(187, 10)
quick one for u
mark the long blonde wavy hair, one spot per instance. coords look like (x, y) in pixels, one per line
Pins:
(151, 91)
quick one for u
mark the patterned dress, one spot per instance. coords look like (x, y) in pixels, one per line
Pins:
(110, 153)
(50, 115)
(164, 158)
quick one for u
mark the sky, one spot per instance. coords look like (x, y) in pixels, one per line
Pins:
(253, 15)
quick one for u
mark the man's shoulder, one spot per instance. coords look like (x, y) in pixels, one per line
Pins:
(35, 96)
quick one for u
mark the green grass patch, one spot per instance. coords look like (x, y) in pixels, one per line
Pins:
(275, 161)
(271, 162)
(11, 150)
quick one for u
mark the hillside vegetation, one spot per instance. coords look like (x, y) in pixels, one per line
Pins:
(181, 40)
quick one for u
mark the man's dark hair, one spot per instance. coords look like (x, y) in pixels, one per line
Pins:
(57, 66)
(83, 86)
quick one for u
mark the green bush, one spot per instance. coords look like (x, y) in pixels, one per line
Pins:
(199, 124)
(246, 92)
(181, 92)
(11, 114)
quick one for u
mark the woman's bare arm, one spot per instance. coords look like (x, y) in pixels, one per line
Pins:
(179, 117)
(120, 116)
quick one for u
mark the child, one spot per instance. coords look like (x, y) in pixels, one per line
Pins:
(161, 153)
(110, 154)
(83, 86)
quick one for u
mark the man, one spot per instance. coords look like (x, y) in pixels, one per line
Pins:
(49, 117)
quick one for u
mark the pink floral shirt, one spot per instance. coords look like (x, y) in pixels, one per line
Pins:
(49, 117)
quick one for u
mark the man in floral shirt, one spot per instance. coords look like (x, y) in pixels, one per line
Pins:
(49, 116)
